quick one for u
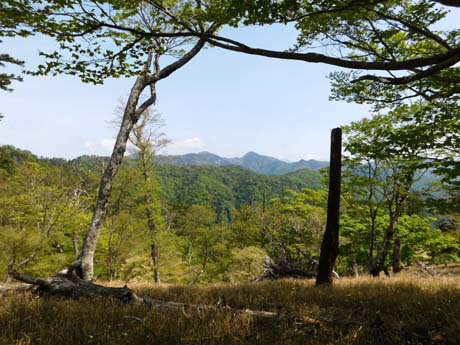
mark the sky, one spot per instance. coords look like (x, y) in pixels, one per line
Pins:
(222, 102)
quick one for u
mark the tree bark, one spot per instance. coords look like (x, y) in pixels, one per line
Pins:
(397, 255)
(452, 3)
(130, 117)
(330, 243)
(408, 64)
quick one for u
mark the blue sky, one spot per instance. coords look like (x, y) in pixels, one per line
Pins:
(223, 102)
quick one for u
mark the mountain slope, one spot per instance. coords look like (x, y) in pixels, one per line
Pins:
(229, 186)
(253, 161)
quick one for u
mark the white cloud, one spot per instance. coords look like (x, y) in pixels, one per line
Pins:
(294, 157)
(308, 156)
(181, 146)
(102, 147)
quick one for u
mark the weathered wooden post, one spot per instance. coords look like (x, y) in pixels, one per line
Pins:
(330, 244)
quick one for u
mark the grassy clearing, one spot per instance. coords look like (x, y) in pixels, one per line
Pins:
(402, 310)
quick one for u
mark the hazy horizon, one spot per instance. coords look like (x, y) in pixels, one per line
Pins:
(161, 153)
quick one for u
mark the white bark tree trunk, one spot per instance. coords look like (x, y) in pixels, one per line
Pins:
(84, 265)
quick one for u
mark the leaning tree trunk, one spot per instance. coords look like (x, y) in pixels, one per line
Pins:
(130, 117)
(330, 244)
(397, 255)
(85, 263)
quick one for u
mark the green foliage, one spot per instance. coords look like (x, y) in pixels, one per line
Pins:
(122, 33)
(225, 188)
(211, 224)
(11, 156)
(295, 225)
(246, 264)
(7, 78)
(12, 17)
(387, 155)
(41, 207)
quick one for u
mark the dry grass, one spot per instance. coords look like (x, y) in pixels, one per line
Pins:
(402, 310)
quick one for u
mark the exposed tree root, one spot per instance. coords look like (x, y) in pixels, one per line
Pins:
(273, 271)
(284, 269)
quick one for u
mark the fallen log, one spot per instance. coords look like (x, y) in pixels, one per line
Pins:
(15, 288)
(155, 303)
(69, 285)
(425, 267)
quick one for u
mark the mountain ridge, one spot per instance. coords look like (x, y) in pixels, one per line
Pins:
(256, 162)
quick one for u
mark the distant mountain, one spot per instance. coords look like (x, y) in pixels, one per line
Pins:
(253, 161)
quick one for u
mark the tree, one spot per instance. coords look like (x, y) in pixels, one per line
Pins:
(148, 139)
(40, 206)
(291, 228)
(114, 53)
(10, 19)
(393, 162)
(12, 16)
(396, 37)
(361, 185)
(6, 79)
(206, 249)
(122, 228)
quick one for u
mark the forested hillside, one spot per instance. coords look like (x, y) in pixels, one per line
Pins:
(206, 223)
(251, 160)
(183, 197)
(223, 187)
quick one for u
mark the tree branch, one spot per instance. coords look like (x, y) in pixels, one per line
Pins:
(410, 64)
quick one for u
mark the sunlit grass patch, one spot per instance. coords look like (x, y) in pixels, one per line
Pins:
(400, 310)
